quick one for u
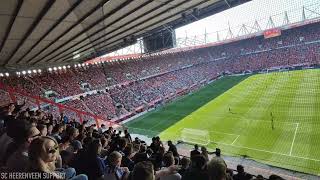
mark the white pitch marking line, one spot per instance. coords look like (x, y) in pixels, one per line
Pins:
(235, 140)
(271, 152)
(294, 137)
(224, 133)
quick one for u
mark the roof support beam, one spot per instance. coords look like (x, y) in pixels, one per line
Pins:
(31, 28)
(227, 3)
(13, 18)
(219, 6)
(151, 10)
(51, 28)
(71, 27)
(113, 22)
(139, 30)
(91, 26)
(146, 33)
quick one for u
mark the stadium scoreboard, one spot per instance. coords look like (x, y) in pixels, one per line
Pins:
(270, 33)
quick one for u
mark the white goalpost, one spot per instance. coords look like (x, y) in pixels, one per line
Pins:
(195, 136)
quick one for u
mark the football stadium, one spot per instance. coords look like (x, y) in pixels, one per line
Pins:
(160, 89)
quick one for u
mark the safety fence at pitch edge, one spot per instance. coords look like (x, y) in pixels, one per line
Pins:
(165, 136)
(47, 105)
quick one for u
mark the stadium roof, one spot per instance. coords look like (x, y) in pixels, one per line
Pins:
(42, 32)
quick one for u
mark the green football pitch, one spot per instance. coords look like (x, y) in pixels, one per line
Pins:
(290, 99)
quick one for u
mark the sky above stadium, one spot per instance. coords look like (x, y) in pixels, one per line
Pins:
(247, 13)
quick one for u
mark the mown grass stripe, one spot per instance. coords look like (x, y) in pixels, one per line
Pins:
(293, 97)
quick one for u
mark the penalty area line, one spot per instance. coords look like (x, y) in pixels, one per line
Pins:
(294, 138)
(266, 151)
(218, 132)
(235, 140)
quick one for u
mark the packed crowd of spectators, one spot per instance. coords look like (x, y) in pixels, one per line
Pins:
(138, 82)
(48, 142)
(55, 148)
(4, 98)
(101, 105)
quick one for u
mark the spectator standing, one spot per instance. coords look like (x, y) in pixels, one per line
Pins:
(195, 151)
(204, 152)
(173, 149)
(127, 136)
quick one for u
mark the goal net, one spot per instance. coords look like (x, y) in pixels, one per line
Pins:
(195, 136)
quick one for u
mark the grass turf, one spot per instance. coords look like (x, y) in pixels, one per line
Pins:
(293, 98)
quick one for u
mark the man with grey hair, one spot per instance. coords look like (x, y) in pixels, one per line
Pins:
(217, 169)
(113, 170)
